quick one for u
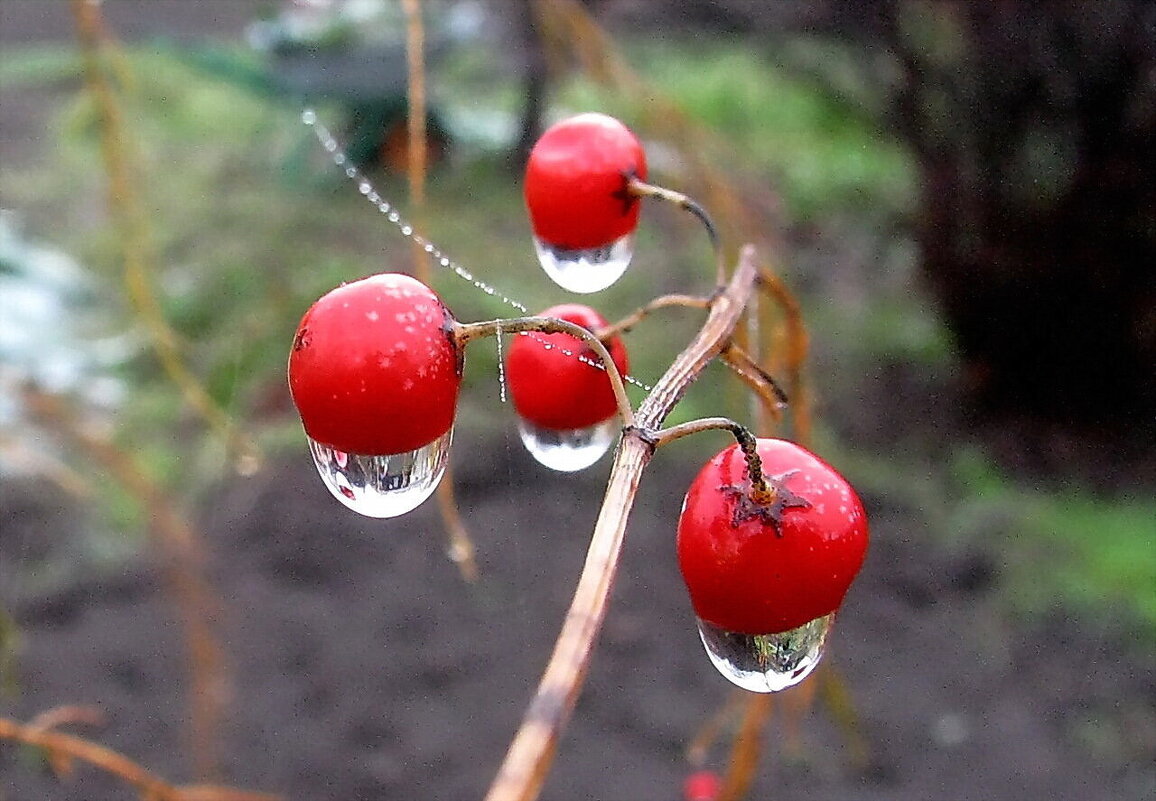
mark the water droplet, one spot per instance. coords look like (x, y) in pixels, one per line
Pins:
(570, 450)
(382, 486)
(586, 271)
(766, 663)
(308, 116)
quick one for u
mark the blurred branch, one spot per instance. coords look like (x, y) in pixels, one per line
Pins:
(62, 750)
(183, 557)
(131, 222)
(748, 745)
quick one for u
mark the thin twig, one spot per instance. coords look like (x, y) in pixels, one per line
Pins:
(640, 188)
(62, 749)
(181, 548)
(663, 302)
(763, 383)
(418, 152)
(461, 546)
(139, 258)
(747, 748)
(66, 715)
(704, 739)
(468, 332)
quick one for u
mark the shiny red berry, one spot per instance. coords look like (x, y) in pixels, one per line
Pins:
(766, 568)
(553, 380)
(576, 182)
(375, 368)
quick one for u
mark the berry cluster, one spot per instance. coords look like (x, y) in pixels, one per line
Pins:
(770, 537)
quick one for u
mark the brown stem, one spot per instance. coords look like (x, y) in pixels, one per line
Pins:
(748, 745)
(181, 548)
(763, 383)
(467, 332)
(665, 301)
(417, 150)
(418, 156)
(139, 258)
(531, 752)
(65, 715)
(61, 749)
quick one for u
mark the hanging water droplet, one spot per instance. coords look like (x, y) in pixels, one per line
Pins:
(382, 486)
(766, 663)
(568, 451)
(586, 271)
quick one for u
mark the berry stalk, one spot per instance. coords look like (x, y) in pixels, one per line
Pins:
(467, 332)
(761, 492)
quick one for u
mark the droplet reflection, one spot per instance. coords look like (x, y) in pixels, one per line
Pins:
(571, 450)
(766, 663)
(586, 271)
(382, 486)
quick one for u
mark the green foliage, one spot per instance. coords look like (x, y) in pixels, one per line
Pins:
(822, 157)
(37, 66)
(1065, 547)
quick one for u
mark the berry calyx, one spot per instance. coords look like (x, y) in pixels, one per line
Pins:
(553, 378)
(767, 567)
(375, 366)
(577, 180)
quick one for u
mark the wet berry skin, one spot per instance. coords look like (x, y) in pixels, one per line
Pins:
(576, 181)
(558, 391)
(375, 368)
(754, 569)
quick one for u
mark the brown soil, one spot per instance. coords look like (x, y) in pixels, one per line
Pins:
(364, 668)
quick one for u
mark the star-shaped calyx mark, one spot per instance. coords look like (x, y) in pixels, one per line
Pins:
(770, 512)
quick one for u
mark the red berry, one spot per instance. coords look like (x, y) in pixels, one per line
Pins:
(764, 569)
(702, 785)
(576, 182)
(375, 368)
(550, 386)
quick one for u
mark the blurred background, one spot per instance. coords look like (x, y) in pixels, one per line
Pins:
(961, 196)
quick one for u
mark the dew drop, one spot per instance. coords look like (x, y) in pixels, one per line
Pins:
(766, 663)
(569, 450)
(382, 486)
(586, 271)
